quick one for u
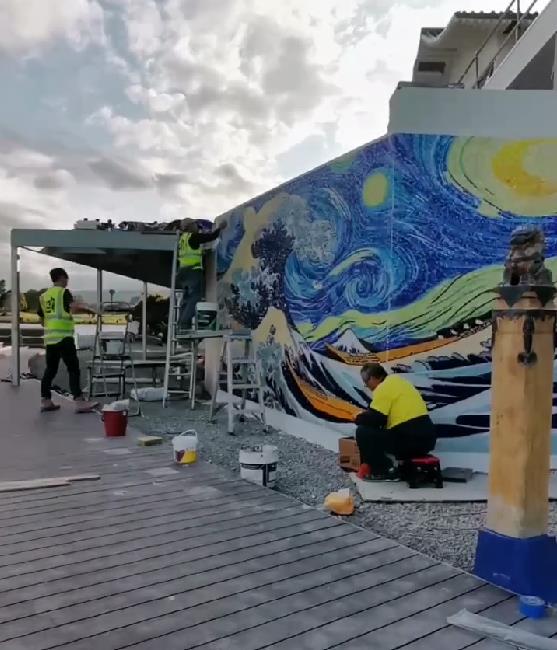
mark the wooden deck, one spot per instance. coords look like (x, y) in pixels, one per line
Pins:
(154, 557)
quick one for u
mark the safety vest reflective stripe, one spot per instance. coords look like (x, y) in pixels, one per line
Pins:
(188, 257)
(58, 323)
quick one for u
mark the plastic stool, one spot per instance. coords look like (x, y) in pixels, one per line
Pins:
(419, 472)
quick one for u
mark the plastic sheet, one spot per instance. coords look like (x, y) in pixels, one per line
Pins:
(514, 636)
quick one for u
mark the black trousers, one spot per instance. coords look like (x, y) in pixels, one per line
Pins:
(409, 440)
(65, 351)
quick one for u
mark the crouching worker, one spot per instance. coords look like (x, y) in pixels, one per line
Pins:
(396, 423)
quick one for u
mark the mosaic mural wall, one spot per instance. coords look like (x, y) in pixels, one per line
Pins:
(387, 254)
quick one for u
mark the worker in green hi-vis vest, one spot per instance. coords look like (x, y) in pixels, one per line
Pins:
(190, 278)
(56, 309)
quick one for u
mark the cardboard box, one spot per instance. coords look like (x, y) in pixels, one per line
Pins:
(348, 454)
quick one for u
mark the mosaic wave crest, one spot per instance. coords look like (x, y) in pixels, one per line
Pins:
(388, 253)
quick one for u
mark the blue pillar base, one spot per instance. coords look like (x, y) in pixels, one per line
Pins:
(527, 567)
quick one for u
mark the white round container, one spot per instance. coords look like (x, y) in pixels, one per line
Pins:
(259, 465)
(184, 447)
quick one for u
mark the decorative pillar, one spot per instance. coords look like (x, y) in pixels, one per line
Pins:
(514, 550)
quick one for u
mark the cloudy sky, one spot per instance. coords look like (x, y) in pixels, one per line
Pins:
(157, 109)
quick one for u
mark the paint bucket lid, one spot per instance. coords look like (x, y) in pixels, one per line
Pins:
(532, 607)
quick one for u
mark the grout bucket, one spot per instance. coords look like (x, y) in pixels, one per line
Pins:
(115, 421)
(259, 464)
(184, 447)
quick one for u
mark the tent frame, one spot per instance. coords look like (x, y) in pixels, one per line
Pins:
(58, 243)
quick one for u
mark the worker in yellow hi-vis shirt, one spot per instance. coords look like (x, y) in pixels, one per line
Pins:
(56, 309)
(190, 268)
(397, 422)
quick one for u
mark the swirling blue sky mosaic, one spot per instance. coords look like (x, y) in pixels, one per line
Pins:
(426, 231)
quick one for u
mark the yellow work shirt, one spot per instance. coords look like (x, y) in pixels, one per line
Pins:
(399, 400)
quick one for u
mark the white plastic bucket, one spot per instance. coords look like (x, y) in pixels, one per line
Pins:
(148, 394)
(185, 447)
(120, 405)
(206, 315)
(259, 465)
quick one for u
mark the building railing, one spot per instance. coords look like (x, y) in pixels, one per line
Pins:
(513, 11)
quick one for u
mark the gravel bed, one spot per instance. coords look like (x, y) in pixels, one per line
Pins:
(307, 472)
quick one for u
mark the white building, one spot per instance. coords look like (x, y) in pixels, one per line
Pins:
(494, 50)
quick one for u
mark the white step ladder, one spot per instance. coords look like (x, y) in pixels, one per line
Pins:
(238, 374)
(181, 355)
(112, 359)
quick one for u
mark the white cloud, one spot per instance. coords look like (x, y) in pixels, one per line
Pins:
(219, 99)
(26, 25)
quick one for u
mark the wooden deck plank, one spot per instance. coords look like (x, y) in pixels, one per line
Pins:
(422, 586)
(179, 579)
(217, 621)
(202, 559)
(156, 606)
(222, 515)
(146, 494)
(149, 557)
(146, 537)
(398, 634)
(166, 506)
(505, 612)
(545, 627)
(266, 533)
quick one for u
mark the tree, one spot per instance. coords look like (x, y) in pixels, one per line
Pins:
(32, 297)
(111, 292)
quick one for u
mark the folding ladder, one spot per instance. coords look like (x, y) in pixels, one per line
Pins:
(112, 358)
(180, 351)
(180, 362)
(238, 373)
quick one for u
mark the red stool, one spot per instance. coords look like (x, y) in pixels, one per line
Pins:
(419, 472)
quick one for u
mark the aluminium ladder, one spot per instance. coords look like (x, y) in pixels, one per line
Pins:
(181, 357)
(113, 357)
(239, 374)
(181, 351)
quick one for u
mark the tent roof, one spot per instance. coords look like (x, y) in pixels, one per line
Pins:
(141, 256)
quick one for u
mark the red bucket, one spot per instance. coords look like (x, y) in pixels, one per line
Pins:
(115, 423)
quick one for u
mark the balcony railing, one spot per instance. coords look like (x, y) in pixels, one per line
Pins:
(513, 12)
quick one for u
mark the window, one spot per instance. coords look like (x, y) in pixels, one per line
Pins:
(432, 66)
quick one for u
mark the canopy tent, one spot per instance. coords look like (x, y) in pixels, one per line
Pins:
(140, 256)
(148, 257)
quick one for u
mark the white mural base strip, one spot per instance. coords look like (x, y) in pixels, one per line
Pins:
(328, 438)
(475, 490)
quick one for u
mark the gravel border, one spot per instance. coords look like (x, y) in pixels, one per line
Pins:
(307, 472)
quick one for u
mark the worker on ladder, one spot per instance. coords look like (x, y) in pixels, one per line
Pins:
(190, 278)
(56, 306)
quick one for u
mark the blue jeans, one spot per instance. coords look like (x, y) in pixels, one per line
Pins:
(190, 281)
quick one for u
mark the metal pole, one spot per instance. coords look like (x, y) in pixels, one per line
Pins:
(99, 290)
(99, 302)
(16, 335)
(518, 19)
(144, 321)
(170, 326)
